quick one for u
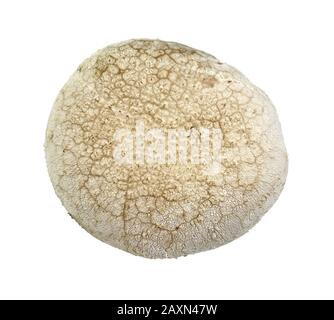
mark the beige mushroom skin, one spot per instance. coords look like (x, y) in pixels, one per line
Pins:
(163, 210)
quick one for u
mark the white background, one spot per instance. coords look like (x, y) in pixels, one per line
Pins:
(285, 47)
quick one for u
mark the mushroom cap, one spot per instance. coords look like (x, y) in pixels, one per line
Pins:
(137, 94)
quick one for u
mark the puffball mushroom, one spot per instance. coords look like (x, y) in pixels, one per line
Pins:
(162, 150)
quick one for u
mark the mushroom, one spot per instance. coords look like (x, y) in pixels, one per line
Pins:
(162, 150)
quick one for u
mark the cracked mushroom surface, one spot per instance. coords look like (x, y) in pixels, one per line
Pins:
(160, 209)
